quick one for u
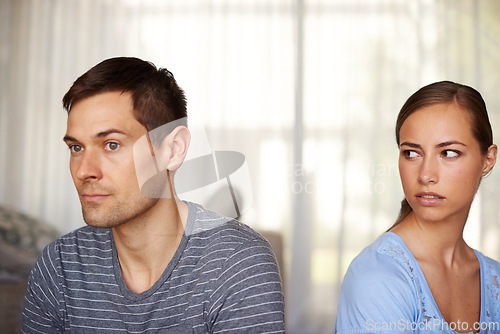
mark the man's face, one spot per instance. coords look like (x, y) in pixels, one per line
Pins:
(101, 133)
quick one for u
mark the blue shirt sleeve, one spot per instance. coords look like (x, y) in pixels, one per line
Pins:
(377, 296)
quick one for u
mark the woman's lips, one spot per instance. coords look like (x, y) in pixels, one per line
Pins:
(429, 198)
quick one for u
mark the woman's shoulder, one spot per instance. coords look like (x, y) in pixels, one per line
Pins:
(388, 254)
(386, 264)
(491, 266)
(490, 275)
(381, 284)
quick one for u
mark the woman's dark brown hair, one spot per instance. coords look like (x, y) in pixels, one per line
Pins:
(469, 99)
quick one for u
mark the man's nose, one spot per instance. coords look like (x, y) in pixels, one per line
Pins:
(88, 167)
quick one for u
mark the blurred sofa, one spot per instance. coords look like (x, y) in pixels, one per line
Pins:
(22, 238)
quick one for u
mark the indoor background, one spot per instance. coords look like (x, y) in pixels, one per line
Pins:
(307, 90)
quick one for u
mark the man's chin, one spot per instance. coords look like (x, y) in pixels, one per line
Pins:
(101, 221)
(108, 216)
(96, 223)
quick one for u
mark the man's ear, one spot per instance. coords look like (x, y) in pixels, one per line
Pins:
(175, 146)
(490, 159)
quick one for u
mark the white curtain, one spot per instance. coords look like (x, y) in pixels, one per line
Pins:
(307, 90)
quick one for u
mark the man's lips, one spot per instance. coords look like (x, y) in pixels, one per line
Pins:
(92, 198)
(429, 198)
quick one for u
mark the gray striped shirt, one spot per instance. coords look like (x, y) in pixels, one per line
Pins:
(223, 278)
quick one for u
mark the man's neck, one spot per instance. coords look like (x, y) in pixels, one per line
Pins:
(146, 245)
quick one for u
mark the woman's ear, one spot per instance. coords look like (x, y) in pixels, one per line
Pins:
(175, 147)
(490, 159)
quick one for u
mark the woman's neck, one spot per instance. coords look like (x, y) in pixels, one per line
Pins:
(439, 242)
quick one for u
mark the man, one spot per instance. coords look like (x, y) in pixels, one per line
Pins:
(152, 263)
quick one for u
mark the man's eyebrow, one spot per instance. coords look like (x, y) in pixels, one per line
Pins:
(101, 134)
(108, 132)
(67, 138)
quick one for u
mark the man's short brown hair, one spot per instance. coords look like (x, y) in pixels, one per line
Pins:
(156, 97)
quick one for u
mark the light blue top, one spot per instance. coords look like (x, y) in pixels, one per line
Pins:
(385, 291)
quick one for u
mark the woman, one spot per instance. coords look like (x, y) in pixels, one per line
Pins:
(421, 276)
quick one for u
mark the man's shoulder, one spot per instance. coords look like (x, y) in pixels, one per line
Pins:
(214, 232)
(80, 241)
(85, 234)
(84, 247)
(237, 272)
(213, 225)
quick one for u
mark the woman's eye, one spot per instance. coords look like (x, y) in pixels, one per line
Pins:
(450, 154)
(410, 154)
(112, 146)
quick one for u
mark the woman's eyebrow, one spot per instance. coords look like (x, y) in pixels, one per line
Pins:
(451, 142)
(443, 144)
(410, 144)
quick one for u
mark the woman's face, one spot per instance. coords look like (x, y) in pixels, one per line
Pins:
(440, 162)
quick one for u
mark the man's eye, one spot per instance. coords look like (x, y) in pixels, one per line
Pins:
(450, 154)
(112, 146)
(75, 148)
